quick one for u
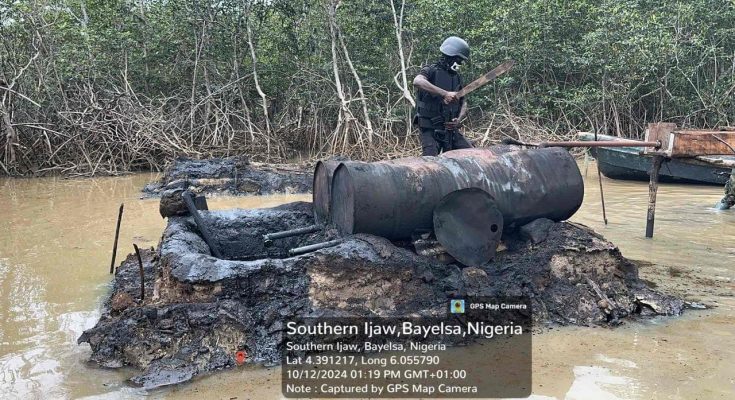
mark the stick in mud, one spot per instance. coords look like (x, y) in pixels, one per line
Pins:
(599, 179)
(189, 201)
(602, 194)
(142, 272)
(117, 235)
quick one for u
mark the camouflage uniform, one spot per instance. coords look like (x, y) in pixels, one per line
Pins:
(729, 199)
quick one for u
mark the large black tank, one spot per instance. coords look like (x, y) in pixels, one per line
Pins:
(395, 199)
(323, 173)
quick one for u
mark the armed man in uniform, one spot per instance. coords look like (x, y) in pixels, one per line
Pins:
(439, 111)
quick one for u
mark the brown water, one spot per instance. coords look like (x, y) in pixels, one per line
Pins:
(55, 242)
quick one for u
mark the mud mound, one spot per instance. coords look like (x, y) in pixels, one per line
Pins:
(204, 309)
(573, 275)
(232, 176)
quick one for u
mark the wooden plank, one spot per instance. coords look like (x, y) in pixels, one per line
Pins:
(660, 132)
(692, 143)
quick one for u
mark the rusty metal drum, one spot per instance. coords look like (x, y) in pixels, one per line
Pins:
(324, 173)
(394, 199)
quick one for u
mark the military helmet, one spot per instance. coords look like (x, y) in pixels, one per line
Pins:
(454, 46)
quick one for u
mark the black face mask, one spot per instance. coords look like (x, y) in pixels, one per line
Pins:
(455, 65)
(452, 63)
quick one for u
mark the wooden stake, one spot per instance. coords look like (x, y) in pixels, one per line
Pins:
(602, 194)
(142, 272)
(599, 179)
(117, 235)
(652, 189)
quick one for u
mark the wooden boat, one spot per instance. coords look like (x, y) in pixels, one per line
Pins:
(629, 163)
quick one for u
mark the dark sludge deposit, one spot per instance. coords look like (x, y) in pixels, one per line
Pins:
(231, 176)
(199, 311)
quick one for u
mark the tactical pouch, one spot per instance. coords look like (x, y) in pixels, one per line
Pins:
(438, 121)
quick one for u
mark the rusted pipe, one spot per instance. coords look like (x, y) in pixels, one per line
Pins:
(268, 239)
(313, 247)
(395, 199)
(602, 143)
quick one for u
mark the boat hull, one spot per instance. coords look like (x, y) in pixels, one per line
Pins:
(626, 165)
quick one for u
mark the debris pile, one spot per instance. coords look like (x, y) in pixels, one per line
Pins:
(231, 176)
(202, 312)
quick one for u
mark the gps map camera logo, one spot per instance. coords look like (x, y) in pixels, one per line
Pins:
(456, 307)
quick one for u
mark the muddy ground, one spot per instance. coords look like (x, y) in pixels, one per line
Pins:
(201, 310)
(232, 176)
(698, 289)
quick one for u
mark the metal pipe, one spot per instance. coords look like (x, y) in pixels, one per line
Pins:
(395, 199)
(602, 143)
(189, 201)
(268, 239)
(313, 247)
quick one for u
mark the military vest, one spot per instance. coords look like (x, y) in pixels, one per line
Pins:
(430, 106)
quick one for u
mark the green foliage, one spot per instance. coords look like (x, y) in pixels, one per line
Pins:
(605, 65)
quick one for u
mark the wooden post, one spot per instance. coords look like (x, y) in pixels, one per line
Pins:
(652, 189)
(599, 180)
(117, 235)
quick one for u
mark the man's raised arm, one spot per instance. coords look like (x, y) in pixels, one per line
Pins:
(422, 83)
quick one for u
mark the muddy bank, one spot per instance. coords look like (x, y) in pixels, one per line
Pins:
(232, 176)
(202, 310)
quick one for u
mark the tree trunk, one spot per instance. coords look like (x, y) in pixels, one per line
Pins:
(255, 74)
(11, 137)
(398, 22)
(360, 92)
(343, 113)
